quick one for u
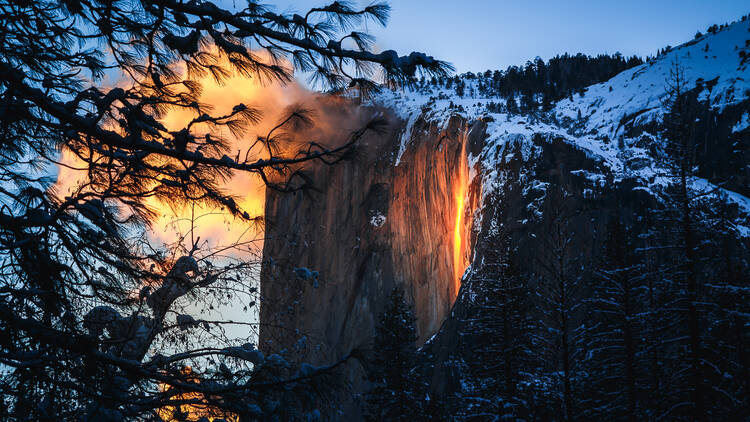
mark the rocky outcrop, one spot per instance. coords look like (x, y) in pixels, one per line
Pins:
(333, 254)
(402, 213)
(530, 169)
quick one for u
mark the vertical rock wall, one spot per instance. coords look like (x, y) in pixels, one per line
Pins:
(368, 226)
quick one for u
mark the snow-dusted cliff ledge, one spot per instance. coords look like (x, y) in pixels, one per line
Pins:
(598, 121)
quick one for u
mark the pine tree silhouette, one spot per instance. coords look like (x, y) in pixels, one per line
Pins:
(397, 394)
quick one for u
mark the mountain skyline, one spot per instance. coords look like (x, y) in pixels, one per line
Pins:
(480, 35)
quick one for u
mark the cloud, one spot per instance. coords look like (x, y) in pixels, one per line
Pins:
(332, 119)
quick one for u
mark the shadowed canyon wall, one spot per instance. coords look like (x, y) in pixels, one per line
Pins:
(333, 254)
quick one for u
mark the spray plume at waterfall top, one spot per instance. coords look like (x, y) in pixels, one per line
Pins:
(329, 124)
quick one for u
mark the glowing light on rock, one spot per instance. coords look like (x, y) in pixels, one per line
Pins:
(460, 260)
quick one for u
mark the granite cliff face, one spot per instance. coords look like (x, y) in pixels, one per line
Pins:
(462, 181)
(400, 213)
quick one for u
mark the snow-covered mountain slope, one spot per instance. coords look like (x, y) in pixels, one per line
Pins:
(597, 120)
(712, 59)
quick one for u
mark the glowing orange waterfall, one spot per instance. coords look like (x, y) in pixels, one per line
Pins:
(459, 242)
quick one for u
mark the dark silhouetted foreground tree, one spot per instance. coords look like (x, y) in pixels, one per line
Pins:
(397, 393)
(84, 299)
(562, 330)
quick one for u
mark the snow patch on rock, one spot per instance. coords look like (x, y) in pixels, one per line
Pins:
(377, 220)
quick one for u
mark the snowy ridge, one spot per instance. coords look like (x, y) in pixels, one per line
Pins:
(594, 121)
(639, 92)
(406, 135)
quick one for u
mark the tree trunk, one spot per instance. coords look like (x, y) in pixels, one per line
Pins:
(629, 353)
(696, 379)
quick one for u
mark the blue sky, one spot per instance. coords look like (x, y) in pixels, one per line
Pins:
(476, 35)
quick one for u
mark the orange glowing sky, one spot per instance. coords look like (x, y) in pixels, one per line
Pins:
(194, 411)
(215, 226)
